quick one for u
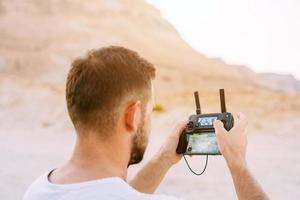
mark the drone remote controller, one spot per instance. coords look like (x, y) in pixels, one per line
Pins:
(198, 137)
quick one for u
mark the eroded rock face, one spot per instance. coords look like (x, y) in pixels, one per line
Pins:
(41, 36)
(39, 39)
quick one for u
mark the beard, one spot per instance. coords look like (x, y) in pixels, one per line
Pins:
(139, 144)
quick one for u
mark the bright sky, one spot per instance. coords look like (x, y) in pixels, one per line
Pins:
(262, 34)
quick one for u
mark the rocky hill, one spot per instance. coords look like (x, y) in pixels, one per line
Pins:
(40, 38)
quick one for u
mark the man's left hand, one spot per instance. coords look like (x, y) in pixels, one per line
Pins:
(167, 153)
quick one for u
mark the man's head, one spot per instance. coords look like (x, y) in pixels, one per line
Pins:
(110, 90)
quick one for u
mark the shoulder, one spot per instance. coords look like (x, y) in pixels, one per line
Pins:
(109, 188)
(37, 185)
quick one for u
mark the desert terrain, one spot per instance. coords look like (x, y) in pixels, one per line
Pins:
(39, 39)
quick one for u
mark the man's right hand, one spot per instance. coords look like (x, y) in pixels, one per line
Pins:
(233, 144)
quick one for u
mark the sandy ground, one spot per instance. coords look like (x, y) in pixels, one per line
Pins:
(273, 158)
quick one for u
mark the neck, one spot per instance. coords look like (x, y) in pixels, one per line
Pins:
(94, 159)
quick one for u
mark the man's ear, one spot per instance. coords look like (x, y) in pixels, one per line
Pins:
(133, 116)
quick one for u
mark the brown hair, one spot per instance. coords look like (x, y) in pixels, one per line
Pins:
(97, 84)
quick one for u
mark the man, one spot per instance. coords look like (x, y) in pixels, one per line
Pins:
(109, 100)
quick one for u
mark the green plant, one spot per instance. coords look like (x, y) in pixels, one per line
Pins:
(158, 108)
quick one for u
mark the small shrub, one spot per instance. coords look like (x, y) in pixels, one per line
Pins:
(158, 108)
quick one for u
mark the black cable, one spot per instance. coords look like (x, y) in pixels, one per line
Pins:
(198, 174)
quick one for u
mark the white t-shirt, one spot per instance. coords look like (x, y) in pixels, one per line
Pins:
(113, 188)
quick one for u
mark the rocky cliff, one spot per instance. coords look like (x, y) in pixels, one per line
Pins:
(39, 39)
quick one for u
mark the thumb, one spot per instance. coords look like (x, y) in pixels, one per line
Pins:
(219, 128)
(180, 126)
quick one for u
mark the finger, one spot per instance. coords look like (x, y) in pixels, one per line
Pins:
(242, 121)
(242, 117)
(236, 120)
(219, 128)
(180, 126)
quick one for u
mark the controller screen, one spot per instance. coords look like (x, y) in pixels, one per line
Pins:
(204, 143)
(207, 121)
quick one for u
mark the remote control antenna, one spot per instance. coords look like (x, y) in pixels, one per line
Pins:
(222, 100)
(198, 108)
